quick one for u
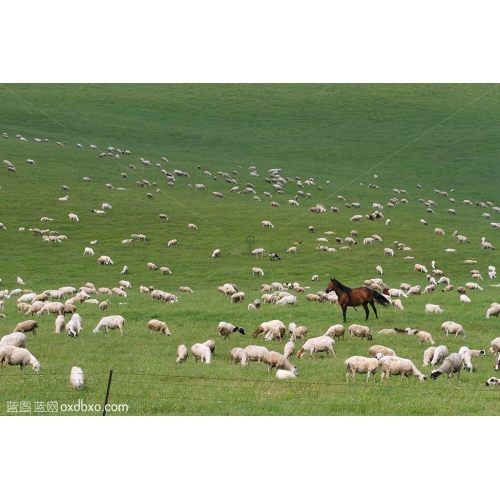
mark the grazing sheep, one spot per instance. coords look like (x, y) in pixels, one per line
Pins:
(74, 325)
(318, 344)
(274, 359)
(450, 327)
(119, 292)
(421, 268)
(155, 325)
(104, 259)
(424, 337)
(216, 253)
(359, 331)
(473, 286)
(26, 326)
(414, 290)
(76, 378)
(467, 355)
(237, 297)
(17, 339)
(236, 354)
(379, 270)
(257, 271)
(335, 331)
(182, 353)
(201, 351)
(88, 251)
(275, 326)
(361, 364)
(253, 353)
(152, 267)
(493, 310)
(493, 381)
(380, 349)
(288, 350)
(258, 252)
(60, 323)
(298, 332)
(225, 329)
(165, 270)
(287, 300)
(433, 308)
(451, 364)
(394, 365)
(12, 355)
(266, 223)
(440, 352)
(73, 218)
(172, 243)
(428, 355)
(110, 323)
(125, 284)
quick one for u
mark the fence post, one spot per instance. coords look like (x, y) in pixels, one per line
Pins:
(107, 392)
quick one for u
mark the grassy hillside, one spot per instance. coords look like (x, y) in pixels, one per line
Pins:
(441, 137)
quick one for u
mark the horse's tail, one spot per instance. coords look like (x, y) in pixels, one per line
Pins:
(381, 299)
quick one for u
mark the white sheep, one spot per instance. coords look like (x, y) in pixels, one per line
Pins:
(60, 323)
(193, 227)
(73, 218)
(76, 378)
(380, 349)
(493, 310)
(450, 327)
(216, 253)
(424, 337)
(298, 332)
(389, 251)
(253, 353)
(433, 308)
(110, 323)
(318, 344)
(359, 331)
(156, 325)
(74, 325)
(104, 259)
(201, 351)
(285, 374)
(288, 350)
(152, 267)
(394, 365)
(88, 251)
(451, 364)
(225, 329)
(26, 326)
(335, 331)
(361, 364)
(257, 271)
(274, 359)
(473, 286)
(17, 339)
(124, 270)
(266, 223)
(125, 284)
(421, 268)
(287, 300)
(182, 353)
(237, 297)
(172, 243)
(467, 356)
(12, 355)
(428, 355)
(440, 352)
(236, 354)
(165, 270)
(258, 252)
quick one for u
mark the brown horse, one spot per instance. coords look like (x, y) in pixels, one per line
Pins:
(356, 297)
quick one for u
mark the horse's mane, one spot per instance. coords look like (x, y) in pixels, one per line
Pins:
(344, 288)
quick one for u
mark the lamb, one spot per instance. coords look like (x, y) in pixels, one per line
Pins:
(424, 337)
(394, 365)
(17, 339)
(433, 308)
(274, 359)
(27, 326)
(453, 328)
(298, 332)
(182, 353)
(12, 355)
(110, 323)
(451, 364)
(359, 331)
(253, 353)
(360, 364)
(225, 329)
(440, 352)
(201, 351)
(380, 349)
(76, 378)
(158, 326)
(285, 374)
(335, 331)
(318, 344)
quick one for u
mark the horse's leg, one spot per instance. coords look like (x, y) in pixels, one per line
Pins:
(373, 307)
(344, 310)
(365, 307)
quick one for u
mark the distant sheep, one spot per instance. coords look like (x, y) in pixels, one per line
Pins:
(201, 351)
(152, 267)
(253, 353)
(193, 227)
(165, 270)
(155, 325)
(225, 329)
(394, 365)
(110, 323)
(493, 310)
(361, 364)
(433, 308)
(335, 331)
(450, 327)
(76, 378)
(451, 364)
(380, 349)
(317, 344)
(236, 354)
(266, 223)
(440, 352)
(182, 353)
(359, 331)
(274, 359)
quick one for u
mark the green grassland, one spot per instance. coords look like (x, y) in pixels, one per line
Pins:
(443, 137)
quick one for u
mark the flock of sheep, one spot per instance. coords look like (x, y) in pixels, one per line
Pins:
(13, 346)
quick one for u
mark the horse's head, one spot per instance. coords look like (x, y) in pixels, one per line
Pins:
(331, 285)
